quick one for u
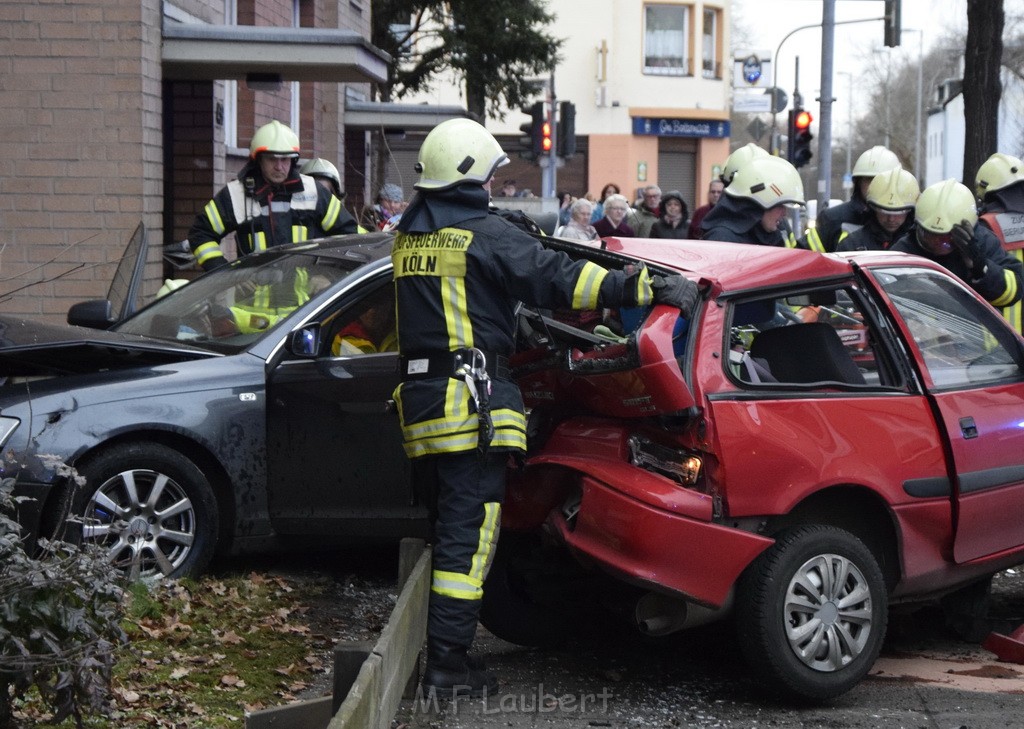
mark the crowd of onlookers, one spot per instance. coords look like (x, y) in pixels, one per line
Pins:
(653, 214)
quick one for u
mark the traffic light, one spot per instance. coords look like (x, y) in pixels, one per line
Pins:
(566, 129)
(801, 133)
(534, 131)
(892, 23)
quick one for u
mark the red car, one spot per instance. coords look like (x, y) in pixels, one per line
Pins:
(830, 436)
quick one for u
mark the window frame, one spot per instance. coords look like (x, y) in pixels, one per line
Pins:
(685, 67)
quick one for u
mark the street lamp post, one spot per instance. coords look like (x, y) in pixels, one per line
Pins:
(888, 81)
(848, 177)
(920, 100)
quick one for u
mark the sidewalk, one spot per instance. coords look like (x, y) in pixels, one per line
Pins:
(534, 692)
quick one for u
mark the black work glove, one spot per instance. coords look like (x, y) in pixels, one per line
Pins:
(970, 248)
(677, 291)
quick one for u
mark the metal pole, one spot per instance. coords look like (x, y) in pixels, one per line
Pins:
(778, 48)
(551, 171)
(849, 131)
(828, 20)
(920, 103)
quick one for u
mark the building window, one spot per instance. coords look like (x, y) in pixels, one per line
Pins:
(711, 59)
(665, 34)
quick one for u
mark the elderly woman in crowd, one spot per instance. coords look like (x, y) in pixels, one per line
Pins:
(578, 227)
(613, 224)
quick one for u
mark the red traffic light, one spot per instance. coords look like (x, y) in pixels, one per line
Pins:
(546, 136)
(803, 120)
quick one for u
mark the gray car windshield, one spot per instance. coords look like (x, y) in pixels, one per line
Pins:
(232, 307)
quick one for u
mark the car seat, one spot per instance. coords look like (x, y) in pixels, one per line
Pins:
(806, 353)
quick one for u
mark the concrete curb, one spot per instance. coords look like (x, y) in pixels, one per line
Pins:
(377, 692)
(371, 680)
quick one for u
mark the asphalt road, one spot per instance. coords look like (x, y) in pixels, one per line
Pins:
(926, 677)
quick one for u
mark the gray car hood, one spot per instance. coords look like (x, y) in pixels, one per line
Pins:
(36, 348)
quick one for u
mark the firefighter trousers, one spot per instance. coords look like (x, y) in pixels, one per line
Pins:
(463, 493)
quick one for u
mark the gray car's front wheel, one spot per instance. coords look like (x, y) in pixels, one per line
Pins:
(812, 612)
(151, 508)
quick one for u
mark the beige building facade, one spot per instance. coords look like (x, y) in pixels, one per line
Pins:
(651, 83)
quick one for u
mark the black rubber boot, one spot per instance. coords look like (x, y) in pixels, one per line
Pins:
(450, 673)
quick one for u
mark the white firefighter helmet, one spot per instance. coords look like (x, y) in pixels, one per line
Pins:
(170, 284)
(998, 171)
(323, 169)
(874, 162)
(894, 191)
(274, 138)
(943, 205)
(458, 151)
(768, 181)
(739, 159)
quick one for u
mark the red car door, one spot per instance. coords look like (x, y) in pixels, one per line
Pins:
(973, 367)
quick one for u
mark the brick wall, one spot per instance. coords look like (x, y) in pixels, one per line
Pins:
(84, 118)
(80, 122)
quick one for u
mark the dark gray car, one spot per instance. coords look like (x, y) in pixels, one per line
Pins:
(246, 411)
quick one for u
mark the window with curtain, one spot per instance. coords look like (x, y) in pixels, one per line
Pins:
(665, 34)
(711, 63)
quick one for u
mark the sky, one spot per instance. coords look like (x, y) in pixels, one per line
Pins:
(766, 22)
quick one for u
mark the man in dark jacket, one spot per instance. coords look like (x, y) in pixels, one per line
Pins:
(269, 204)
(753, 208)
(459, 272)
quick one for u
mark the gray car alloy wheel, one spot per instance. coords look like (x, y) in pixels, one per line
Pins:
(145, 519)
(151, 508)
(828, 612)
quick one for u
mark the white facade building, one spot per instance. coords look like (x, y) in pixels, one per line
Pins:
(651, 85)
(947, 131)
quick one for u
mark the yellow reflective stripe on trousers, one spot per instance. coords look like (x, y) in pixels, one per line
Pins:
(452, 584)
(588, 286)
(485, 544)
(299, 233)
(447, 436)
(260, 242)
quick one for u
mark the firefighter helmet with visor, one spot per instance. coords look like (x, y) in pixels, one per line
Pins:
(895, 191)
(943, 205)
(274, 138)
(768, 181)
(458, 151)
(998, 171)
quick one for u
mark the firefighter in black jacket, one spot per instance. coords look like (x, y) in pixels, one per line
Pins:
(833, 224)
(1000, 187)
(753, 208)
(269, 204)
(947, 232)
(891, 197)
(459, 271)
